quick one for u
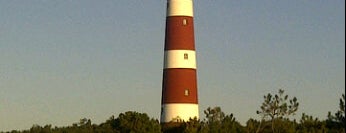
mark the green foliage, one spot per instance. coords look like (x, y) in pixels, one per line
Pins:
(274, 110)
(252, 126)
(193, 126)
(214, 115)
(277, 106)
(309, 124)
(340, 115)
(173, 127)
(337, 122)
(217, 122)
(134, 122)
(285, 126)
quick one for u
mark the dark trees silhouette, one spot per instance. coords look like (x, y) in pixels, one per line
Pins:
(275, 111)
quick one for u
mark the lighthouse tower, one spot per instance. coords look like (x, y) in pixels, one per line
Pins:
(179, 84)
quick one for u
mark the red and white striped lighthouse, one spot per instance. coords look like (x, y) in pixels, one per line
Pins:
(179, 84)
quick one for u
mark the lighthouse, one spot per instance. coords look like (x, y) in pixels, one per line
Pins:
(179, 84)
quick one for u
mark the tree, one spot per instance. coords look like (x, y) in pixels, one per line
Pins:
(340, 114)
(251, 125)
(108, 126)
(218, 122)
(276, 107)
(134, 122)
(192, 126)
(214, 116)
(84, 123)
(230, 125)
(308, 124)
(337, 121)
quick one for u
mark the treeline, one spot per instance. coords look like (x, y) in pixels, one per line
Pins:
(275, 111)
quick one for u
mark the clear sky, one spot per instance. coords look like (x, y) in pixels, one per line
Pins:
(64, 60)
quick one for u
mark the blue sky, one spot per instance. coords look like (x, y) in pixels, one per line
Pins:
(61, 61)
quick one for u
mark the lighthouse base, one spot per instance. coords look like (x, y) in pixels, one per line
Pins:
(178, 112)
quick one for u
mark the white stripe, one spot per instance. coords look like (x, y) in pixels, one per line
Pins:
(178, 111)
(178, 59)
(179, 8)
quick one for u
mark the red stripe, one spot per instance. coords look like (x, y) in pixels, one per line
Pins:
(174, 84)
(178, 35)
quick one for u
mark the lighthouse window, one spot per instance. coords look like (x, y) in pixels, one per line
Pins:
(184, 22)
(186, 92)
(186, 56)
